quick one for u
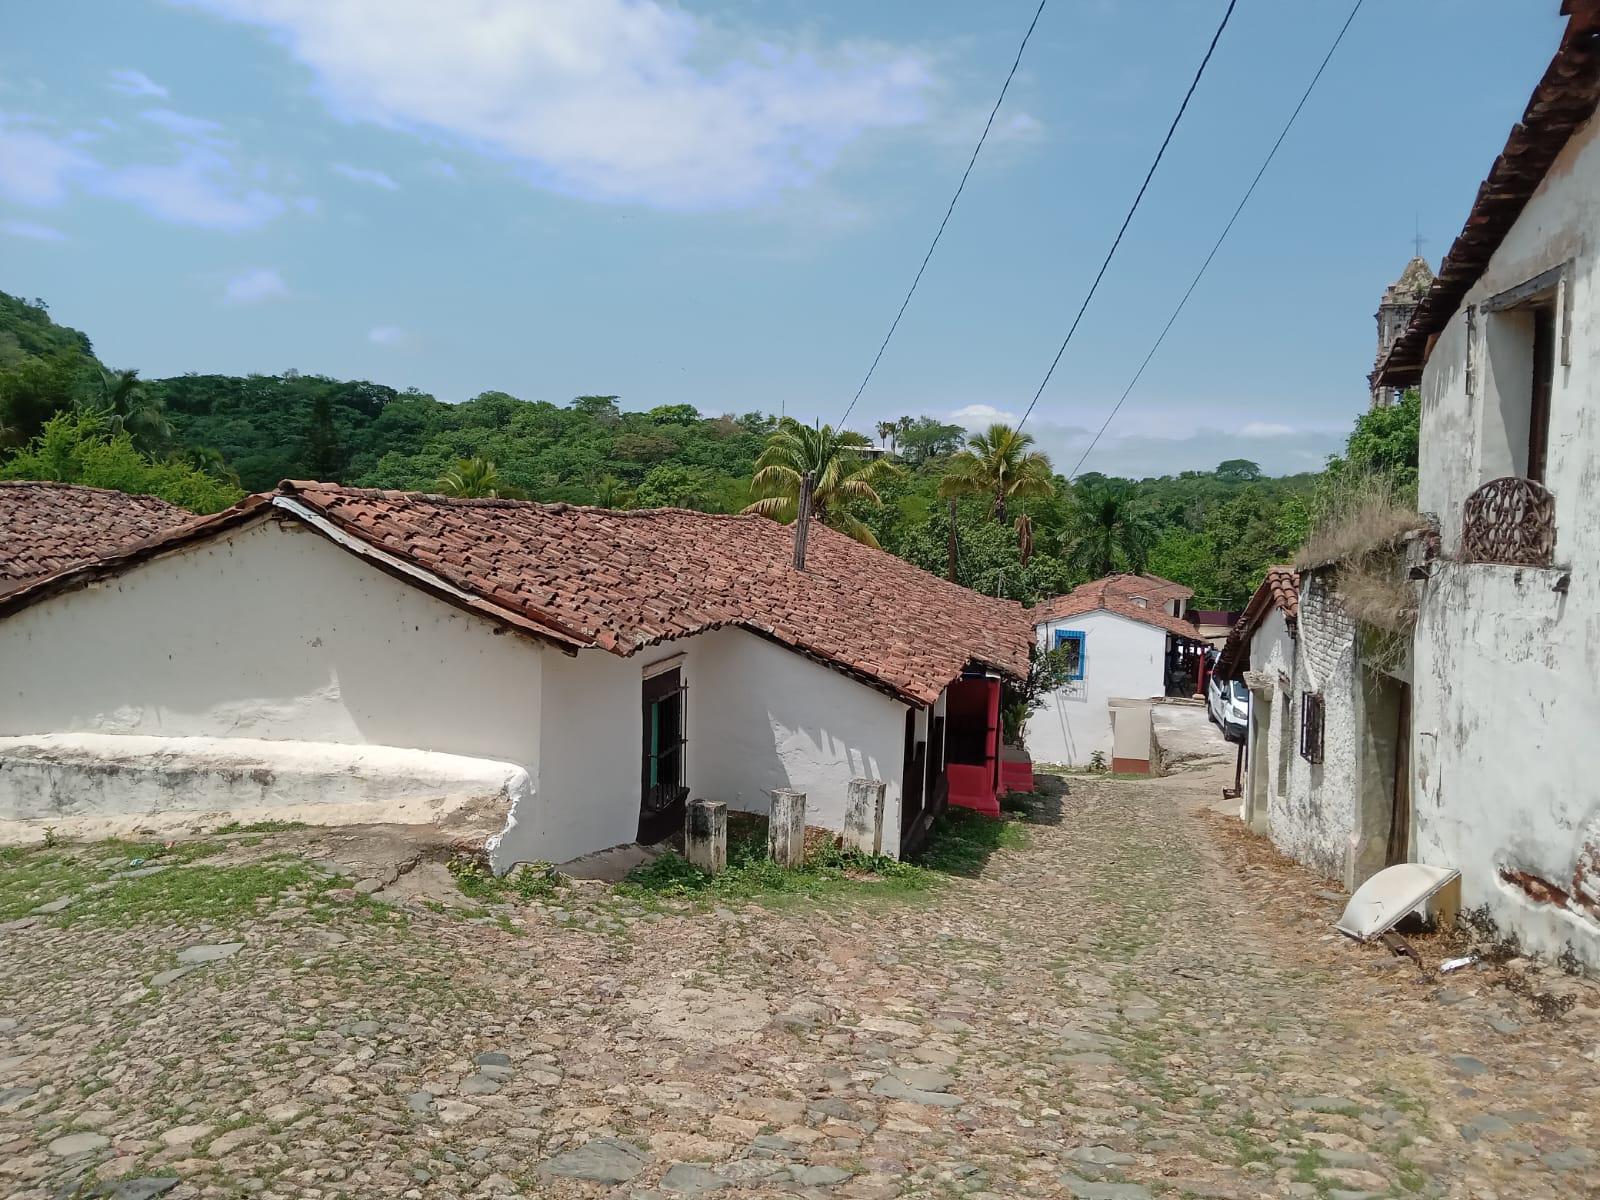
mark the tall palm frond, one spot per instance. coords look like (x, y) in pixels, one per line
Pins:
(840, 472)
(998, 464)
(475, 478)
(125, 405)
(1106, 532)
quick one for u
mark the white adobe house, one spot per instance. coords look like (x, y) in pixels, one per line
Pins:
(1127, 639)
(576, 673)
(1506, 349)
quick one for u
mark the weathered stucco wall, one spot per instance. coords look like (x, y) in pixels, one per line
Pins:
(93, 785)
(1274, 721)
(1123, 659)
(762, 717)
(1314, 819)
(272, 632)
(1507, 700)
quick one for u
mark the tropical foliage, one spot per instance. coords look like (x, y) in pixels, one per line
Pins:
(842, 477)
(997, 464)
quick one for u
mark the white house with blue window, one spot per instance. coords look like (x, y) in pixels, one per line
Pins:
(1126, 639)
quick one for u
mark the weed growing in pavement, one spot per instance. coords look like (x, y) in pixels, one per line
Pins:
(259, 827)
(532, 881)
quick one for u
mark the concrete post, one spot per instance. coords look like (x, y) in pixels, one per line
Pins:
(863, 816)
(705, 835)
(786, 828)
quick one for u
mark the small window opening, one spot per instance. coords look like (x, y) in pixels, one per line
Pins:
(1311, 726)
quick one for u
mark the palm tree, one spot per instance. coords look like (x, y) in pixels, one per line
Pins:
(611, 492)
(475, 478)
(840, 474)
(1105, 531)
(998, 464)
(886, 432)
(125, 406)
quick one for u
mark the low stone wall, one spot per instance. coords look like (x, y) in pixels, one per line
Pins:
(100, 785)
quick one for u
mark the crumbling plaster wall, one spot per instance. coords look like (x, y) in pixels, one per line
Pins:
(1274, 720)
(1507, 699)
(1313, 821)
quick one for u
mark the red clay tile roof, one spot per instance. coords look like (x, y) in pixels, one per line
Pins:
(1563, 101)
(590, 577)
(1114, 594)
(1280, 590)
(48, 527)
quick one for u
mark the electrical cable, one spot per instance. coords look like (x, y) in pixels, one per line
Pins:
(1226, 229)
(1127, 220)
(895, 324)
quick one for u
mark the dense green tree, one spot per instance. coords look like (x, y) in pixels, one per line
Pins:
(31, 393)
(1238, 470)
(923, 439)
(672, 485)
(77, 448)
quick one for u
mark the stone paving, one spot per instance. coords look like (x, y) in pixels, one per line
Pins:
(1140, 1002)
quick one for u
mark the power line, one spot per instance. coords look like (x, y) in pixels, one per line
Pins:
(1127, 220)
(1226, 229)
(895, 324)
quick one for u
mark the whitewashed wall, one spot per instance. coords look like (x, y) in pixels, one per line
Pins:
(1274, 721)
(1123, 659)
(587, 786)
(270, 632)
(1507, 698)
(762, 717)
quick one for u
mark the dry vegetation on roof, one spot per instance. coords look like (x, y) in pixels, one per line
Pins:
(1363, 515)
(1360, 534)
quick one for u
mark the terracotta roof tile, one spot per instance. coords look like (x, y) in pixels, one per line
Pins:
(1116, 594)
(49, 527)
(621, 581)
(1280, 590)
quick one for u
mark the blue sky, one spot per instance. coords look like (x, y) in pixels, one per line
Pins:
(722, 204)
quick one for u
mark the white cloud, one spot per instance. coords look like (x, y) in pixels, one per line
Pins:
(135, 83)
(386, 335)
(32, 230)
(1265, 429)
(181, 125)
(35, 168)
(202, 188)
(621, 100)
(975, 416)
(444, 170)
(367, 175)
(206, 185)
(255, 286)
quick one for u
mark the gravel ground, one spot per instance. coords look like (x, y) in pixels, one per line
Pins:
(1142, 1001)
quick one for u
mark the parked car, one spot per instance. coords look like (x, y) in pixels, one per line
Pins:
(1228, 706)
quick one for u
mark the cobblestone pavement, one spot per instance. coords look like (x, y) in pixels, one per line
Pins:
(1138, 1003)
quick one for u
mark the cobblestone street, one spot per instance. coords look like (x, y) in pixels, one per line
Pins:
(1138, 1002)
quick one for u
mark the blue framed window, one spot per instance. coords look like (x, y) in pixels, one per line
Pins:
(1075, 641)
